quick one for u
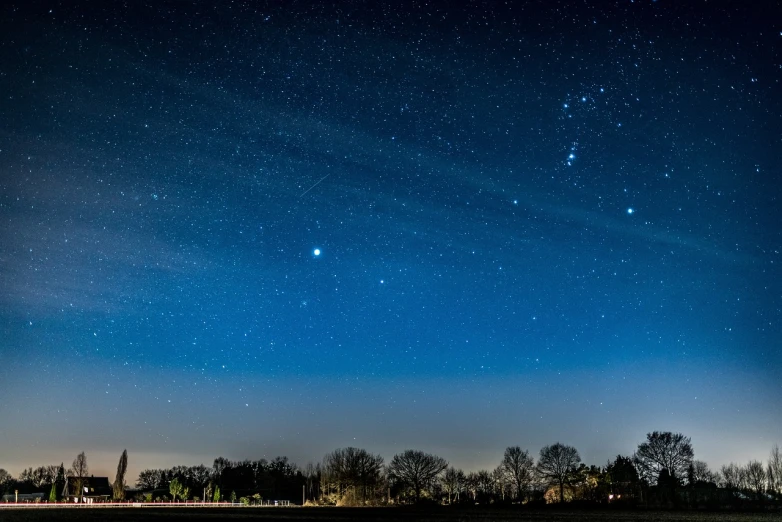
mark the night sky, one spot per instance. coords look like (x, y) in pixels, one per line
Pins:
(257, 229)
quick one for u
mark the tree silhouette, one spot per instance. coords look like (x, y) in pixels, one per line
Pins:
(503, 485)
(60, 478)
(774, 470)
(119, 481)
(485, 484)
(756, 477)
(453, 482)
(313, 474)
(416, 469)
(732, 477)
(699, 472)
(519, 467)
(557, 463)
(622, 475)
(149, 479)
(667, 451)
(219, 466)
(79, 469)
(353, 469)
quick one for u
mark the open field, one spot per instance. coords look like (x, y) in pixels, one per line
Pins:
(368, 514)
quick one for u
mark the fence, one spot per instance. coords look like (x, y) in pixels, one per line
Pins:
(121, 505)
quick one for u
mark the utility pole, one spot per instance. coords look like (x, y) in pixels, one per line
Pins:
(302, 495)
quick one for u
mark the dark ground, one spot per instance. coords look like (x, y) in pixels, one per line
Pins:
(367, 514)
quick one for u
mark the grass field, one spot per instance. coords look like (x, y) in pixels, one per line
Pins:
(369, 514)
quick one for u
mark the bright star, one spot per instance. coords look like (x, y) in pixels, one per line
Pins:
(630, 210)
(316, 252)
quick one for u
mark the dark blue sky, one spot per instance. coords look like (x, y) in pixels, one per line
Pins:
(556, 221)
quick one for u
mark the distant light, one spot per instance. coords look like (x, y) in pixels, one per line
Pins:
(630, 210)
(316, 252)
(571, 156)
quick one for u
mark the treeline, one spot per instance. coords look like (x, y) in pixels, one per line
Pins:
(661, 473)
(225, 480)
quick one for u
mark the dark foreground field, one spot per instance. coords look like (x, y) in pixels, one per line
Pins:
(367, 514)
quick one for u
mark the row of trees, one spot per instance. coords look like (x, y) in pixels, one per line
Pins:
(278, 479)
(55, 479)
(662, 471)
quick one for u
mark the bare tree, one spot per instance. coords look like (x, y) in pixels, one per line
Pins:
(774, 470)
(472, 483)
(485, 483)
(667, 451)
(40, 476)
(79, 469)
(519, 467)
(756, 477)
(416, 469)
(353, 470)
(732, 477)
(503, 484)
(313, 476)
(119, 481)
(557, 463)
(699, 472)
(49, 473)
(453, 483)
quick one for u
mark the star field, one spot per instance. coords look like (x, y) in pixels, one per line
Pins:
(252, 229)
